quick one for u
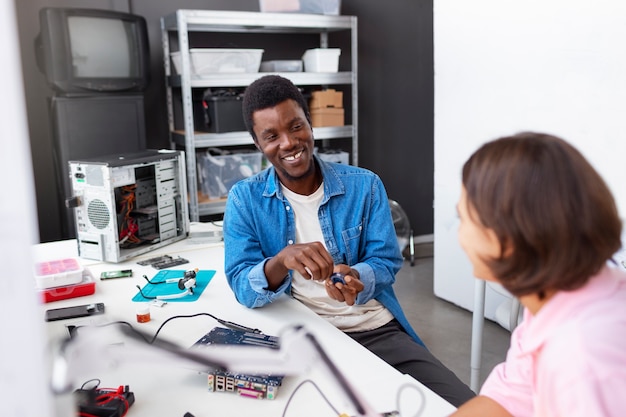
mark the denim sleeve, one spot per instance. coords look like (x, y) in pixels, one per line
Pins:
(380, 258)
(243, 258)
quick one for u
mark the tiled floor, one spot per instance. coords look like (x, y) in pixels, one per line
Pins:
(445, 328)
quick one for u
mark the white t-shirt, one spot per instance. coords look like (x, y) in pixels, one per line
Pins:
(368, 316)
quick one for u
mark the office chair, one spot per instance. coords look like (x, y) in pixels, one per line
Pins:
(404, 233)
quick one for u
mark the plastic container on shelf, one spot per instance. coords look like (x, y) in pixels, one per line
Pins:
(334, 155)
(293, 65)
(57, 273)
(218, 173)
(220, 60)
(328, 7)
(321, 60)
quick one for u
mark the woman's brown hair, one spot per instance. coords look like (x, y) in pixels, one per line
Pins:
(546, 202)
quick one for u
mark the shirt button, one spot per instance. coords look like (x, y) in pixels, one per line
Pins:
(290, 242)
(287, 208)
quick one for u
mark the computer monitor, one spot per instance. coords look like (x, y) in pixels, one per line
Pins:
(93, 51)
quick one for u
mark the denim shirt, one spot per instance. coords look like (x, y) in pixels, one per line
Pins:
(356, 223)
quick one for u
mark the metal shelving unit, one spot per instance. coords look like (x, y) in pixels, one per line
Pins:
(182, 22)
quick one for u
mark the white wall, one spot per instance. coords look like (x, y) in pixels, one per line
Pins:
(23, 371)
(503, 66)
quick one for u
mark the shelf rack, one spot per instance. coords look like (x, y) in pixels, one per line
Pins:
(182, 22)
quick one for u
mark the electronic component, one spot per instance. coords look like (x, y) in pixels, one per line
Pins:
(116, 274)
(170, 263)
(253, 386)
(163, 261)
(104, 402)
(337, 277)
(129, 204)
(154, 260)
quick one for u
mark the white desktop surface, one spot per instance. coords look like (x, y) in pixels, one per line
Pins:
(171, 390)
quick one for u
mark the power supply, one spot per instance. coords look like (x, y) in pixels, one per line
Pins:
(128, 204)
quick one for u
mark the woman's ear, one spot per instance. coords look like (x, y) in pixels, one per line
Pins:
(506, 248)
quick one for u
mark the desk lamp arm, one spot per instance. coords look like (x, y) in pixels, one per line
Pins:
(94, 347)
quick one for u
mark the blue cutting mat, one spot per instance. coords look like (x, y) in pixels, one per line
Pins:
(152, 290)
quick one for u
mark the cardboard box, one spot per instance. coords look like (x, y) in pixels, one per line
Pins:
(327, 117)
(326, 98)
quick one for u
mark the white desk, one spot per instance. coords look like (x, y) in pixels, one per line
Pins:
(168, 390)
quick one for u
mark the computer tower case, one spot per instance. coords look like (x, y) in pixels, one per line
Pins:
(129, 204)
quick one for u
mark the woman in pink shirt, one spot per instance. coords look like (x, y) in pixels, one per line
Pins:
(537, 218)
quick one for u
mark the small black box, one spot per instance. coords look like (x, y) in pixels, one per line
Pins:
(222, 114)
(104, 403)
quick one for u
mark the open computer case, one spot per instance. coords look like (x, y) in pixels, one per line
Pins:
(129, 204)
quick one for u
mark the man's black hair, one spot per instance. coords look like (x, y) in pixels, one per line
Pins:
(269, 91)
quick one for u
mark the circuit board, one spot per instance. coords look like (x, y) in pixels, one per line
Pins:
(253, 386)
(163, 261)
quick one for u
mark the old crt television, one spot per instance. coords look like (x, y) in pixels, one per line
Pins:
(83, 51)
(129, 204)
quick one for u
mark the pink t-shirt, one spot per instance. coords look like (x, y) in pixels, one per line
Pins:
(569, 359)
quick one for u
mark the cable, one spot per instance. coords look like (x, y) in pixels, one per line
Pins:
(149, 297)
(217, 223)
(226, 323)
(110, 395)
(318, 390)
(90, 380)
(421, 394)
(102, 397)
(153, 283)
(74, 329)
(418, 413)
(223, 322)
(192, 273)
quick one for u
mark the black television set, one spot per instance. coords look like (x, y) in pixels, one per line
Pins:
(85, 51)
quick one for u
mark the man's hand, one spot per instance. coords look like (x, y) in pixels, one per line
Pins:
(311, 260)
(345, 292)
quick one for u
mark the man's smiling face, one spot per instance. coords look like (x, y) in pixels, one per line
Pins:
(286, 139)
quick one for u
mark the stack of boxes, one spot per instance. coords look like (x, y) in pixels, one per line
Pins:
(327, 108)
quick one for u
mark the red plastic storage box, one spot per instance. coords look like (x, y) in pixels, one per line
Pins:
(86, 287)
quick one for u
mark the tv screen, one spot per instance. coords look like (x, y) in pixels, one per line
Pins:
(93, 50)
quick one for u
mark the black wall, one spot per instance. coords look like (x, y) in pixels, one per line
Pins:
(395, 96)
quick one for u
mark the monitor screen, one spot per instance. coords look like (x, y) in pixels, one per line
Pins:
(92, 50)
(100, 47)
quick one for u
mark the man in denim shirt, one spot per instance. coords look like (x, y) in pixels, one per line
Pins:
(288, 228)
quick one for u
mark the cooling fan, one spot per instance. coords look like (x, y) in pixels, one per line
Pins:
(404, 233)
